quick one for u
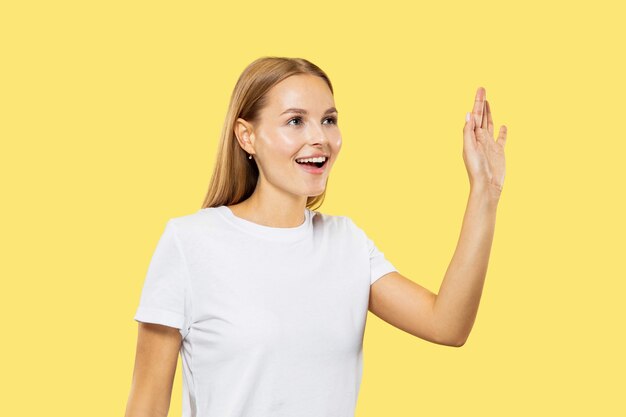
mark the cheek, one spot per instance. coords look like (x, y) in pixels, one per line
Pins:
(337, 144)
(278, 148)
(284, 145)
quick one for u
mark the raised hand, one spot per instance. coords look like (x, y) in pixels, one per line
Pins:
(483, 157)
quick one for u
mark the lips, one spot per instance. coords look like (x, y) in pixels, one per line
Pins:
(311, 168)
(313, 156)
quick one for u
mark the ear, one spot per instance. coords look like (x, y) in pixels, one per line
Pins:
(244, 133)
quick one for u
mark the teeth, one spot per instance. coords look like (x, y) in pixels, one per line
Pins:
(318, 159)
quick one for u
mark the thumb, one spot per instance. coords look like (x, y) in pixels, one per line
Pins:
(468, 129)
(502, 136)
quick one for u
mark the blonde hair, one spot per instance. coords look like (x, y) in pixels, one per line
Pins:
(234, 175)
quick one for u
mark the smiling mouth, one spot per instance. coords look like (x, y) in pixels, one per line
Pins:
(314, 167)
(313, 164)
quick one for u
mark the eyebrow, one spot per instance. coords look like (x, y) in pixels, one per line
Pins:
(302, 111)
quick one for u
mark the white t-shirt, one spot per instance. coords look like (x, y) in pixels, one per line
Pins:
(272, 319)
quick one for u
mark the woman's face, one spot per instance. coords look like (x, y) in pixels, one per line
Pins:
(298, 121)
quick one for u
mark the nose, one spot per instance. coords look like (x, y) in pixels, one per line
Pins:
(317, 135)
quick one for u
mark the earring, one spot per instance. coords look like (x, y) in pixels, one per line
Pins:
(249, 156)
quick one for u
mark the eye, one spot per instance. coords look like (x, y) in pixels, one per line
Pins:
(333, 120)
(295, 118)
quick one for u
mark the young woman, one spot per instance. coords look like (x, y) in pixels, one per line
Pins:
(266, 298)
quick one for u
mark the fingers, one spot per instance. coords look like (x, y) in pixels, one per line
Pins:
(484, 121)
(480, 121)
(469, 137)
(489, 119)
(502, 136)
(479, 106)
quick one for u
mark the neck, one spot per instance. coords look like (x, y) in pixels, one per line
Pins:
(272, 208)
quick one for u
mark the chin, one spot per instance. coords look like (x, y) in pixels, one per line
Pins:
(318, 193)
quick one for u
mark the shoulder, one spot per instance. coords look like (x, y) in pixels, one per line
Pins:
(194, 218)
(337, 223)
(194, 225)
(329, 219)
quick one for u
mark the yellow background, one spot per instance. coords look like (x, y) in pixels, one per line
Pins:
(109, 119)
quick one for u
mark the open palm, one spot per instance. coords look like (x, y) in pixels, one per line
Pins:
(484, 156)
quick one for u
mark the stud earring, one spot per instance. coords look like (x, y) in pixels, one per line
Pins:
(249, 156)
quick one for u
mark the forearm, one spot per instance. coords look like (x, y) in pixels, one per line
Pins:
(457, 302)
(145, 403)
(143, 410)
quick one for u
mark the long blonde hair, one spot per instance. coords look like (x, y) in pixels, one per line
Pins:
(235, 176)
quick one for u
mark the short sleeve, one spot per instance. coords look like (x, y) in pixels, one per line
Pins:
(165, 297)
(379, 264)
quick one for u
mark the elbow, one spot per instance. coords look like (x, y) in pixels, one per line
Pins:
(457, 343)
(453, 341)
(450, 335)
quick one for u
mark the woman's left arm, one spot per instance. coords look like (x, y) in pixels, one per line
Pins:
(448, 317)
(456, 305)
(457, 302)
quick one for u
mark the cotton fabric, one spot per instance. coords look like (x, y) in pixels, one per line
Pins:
(271, 319)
